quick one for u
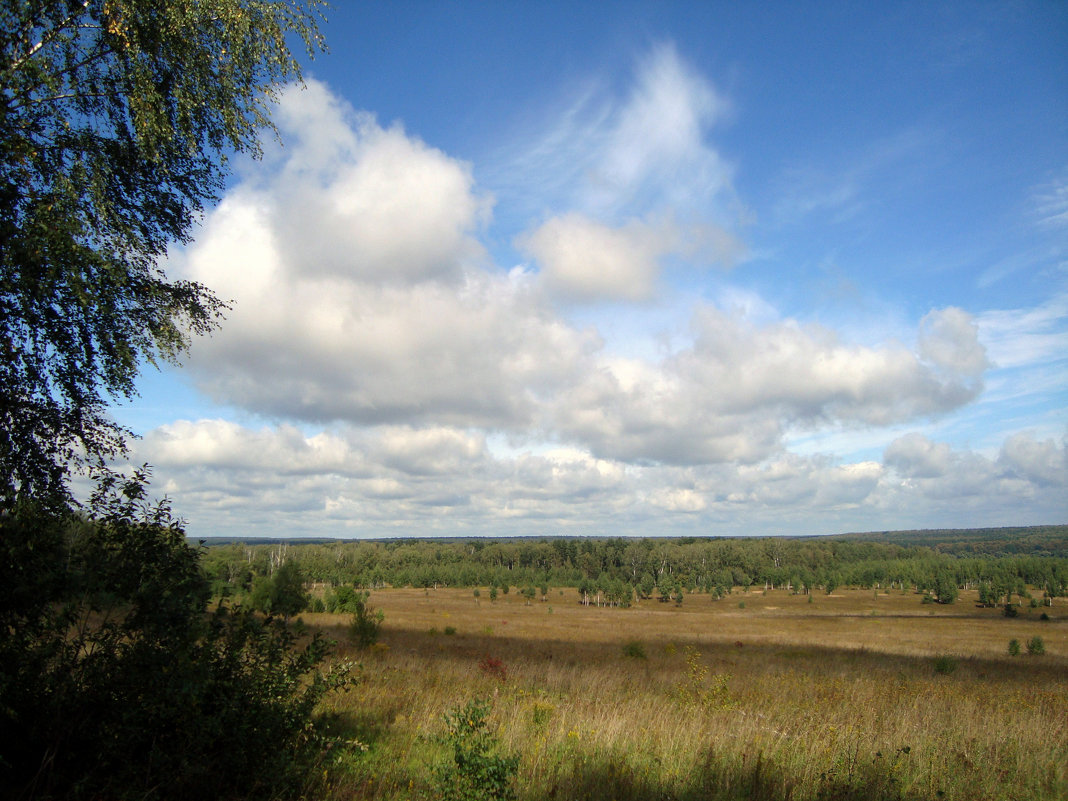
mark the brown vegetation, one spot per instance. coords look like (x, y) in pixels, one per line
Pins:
(755, 695)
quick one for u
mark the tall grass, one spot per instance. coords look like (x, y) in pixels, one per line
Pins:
(835, 699)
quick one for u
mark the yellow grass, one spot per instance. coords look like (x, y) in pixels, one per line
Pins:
(837, 698)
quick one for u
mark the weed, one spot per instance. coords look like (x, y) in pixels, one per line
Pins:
(634, 650)
(540, 715)
(450, 631)
(700, 689)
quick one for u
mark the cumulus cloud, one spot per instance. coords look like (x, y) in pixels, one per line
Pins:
(584, 260)
(733, 393)
(915, 456)
(376, 326)
(364, 304)
(356, 200)
(949, 339)
(1043, 463)
(401, 480)
(1026, 470)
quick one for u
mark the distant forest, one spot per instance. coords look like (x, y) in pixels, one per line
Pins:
(999, 562)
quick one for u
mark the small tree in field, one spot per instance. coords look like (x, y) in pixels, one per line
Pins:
(366, 621)
(945, 587)
(474, 771)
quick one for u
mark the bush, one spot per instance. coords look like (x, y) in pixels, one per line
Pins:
(1014, 647)
(1036, 647)
(116, 681)
(366, 621)
(1010, 610)
(945, 664)
(493, 666)
(474, 772)
(634, 650)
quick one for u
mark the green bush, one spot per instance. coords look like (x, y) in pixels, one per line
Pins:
(1014, 647)
(474, 770)
(1036, 647)
(634, 650)
(945, 664)
(117, 682)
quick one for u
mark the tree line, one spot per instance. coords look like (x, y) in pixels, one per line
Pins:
(620, 569)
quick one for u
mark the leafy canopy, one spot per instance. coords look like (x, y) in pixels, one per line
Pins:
(116, 117)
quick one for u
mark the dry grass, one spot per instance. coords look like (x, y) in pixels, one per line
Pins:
(837, 698)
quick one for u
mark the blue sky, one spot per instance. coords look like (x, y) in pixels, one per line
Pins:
(638, 269)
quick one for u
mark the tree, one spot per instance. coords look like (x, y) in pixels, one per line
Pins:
(115, 120)
(288, 596)
(945, 586)
(283, 593)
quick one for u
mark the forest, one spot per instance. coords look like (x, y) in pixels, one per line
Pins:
(615, 570)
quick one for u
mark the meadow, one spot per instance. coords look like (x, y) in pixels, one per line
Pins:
(759, 695)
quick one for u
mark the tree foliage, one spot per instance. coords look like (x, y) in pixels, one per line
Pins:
(115, 120)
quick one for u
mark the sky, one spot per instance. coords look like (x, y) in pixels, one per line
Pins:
(637, 269)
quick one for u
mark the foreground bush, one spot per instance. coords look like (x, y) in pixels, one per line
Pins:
(116, 682)
(474, 770)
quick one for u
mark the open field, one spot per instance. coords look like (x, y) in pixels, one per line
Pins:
(852, 695)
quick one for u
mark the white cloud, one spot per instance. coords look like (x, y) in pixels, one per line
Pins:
(584, 260)
(416, 481)
(1042, 463)
(949, 340)
(364, 302)
(915, 456)
(659, 138)
(614, 157)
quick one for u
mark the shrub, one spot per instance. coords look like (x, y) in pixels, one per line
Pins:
(450, 631)
(634, 650)
(1036, 647)
(474, 771)
(1010, 610)
(111, 640)
(945, 664)
(493, 666)
(1014, 647)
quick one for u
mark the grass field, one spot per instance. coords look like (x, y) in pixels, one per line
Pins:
(852, 695)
